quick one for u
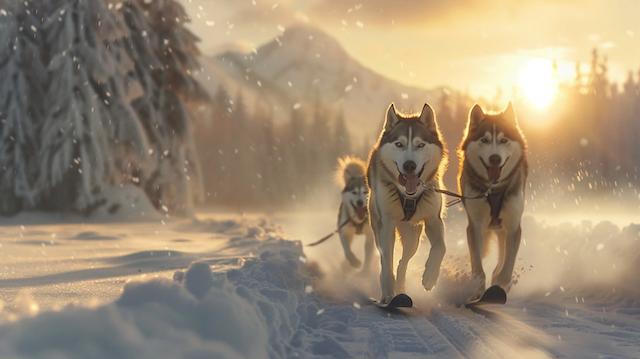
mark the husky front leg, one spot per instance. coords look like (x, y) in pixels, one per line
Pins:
(369, 249)
(475, 242)
(511, 246)
(410, 237)
(384, 232)
(346, 238)
(434, 229)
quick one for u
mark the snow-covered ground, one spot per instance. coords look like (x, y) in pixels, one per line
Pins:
(232, 286)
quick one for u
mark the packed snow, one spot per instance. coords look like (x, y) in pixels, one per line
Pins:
(224, 285)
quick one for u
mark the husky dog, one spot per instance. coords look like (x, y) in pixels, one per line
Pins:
(409, 156)
(353, 217)
(493, 152)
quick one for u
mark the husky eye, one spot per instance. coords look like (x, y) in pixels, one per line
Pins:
(398, 144)
(504, 140)
(354, 192)
(421, 145)
(484, 140)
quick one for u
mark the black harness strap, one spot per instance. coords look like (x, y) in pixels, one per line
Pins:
(495, 203)
(409, 205)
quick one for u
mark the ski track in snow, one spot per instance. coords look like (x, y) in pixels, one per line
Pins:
(230, 287)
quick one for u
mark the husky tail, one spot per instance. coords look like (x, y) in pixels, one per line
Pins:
(349, 168)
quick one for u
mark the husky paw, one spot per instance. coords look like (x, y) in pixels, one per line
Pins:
(386, 299)
(478, 286)
(429, 280)
(401, 288)
(505, 284)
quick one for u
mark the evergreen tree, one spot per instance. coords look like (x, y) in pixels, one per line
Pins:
(159, 41)
(70, 71)
(265, 145)
(320, 155)
(75, 154)
(23, 76)
(341, 139)
(297, 154)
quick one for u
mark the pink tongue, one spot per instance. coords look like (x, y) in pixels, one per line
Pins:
(409, 182)
(402, 180)
(361, 211)
(493, 173)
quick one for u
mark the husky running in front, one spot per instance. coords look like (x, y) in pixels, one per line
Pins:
(353, 217)
(409, 157)
(493, 153)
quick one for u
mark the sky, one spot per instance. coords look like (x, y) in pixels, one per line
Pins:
(473, 46)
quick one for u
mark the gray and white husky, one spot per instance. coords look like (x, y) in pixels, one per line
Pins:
(353, 217)
(409, 156)
(493, 151)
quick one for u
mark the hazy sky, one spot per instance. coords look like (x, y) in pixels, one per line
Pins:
(473, 45)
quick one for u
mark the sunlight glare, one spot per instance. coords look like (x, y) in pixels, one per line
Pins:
(538, 83)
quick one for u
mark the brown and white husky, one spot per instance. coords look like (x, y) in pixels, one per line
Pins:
(409, 156)
(493, 153)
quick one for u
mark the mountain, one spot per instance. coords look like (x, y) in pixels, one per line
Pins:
(306, 65)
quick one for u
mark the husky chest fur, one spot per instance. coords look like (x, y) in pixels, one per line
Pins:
(493, 153)
(409, 156)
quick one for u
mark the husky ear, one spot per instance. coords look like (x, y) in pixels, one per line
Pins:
(476, 116)
(392, 118)
(509, 113)
(428, 117)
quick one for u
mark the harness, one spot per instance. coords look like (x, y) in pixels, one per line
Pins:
(494, 199)
(495, 203)
(409, 205)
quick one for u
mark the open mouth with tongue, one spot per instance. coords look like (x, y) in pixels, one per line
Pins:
(361, 211)
(410, 181)
(493, 171)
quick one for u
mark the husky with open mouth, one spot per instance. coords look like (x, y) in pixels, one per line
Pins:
(409, 157)
(353, 217)
(493, 154)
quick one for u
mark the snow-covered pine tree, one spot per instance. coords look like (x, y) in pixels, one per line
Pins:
(127, 135)
(75, 155)
(88, 119)
(22, 78)
(164, 52)
(69, 75)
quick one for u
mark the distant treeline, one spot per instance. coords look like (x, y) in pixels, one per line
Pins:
(248, 159)
(596, 124)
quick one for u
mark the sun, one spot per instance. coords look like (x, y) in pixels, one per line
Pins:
(538, 82)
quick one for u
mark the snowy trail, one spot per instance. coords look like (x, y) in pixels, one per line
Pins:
(457, 334)
(538, 321)
(481, 337)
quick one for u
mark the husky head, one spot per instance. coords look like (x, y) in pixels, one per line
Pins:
(354, 194)
(493, 144)
(411, 148)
